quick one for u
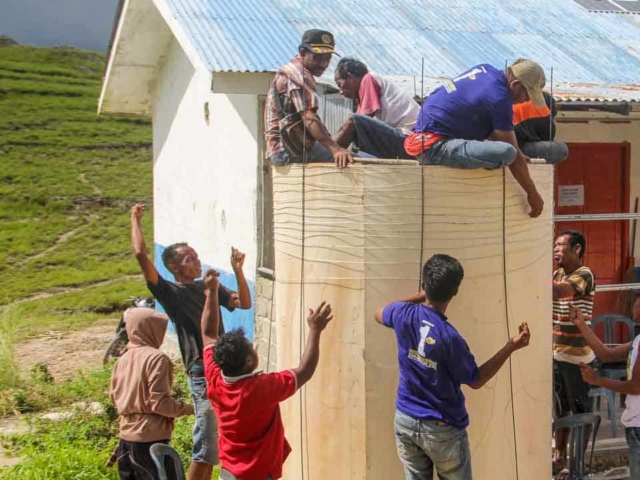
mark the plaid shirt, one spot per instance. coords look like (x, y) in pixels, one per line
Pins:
(297, 89)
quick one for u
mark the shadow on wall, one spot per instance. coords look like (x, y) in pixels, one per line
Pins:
(232, 320)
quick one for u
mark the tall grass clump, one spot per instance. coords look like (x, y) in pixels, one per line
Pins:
(9, 376)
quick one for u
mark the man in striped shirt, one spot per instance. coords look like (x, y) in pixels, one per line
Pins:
(573, 285)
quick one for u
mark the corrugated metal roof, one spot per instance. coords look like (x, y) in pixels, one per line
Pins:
(592, 54)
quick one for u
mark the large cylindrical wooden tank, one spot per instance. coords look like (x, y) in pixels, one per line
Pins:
(356, 238)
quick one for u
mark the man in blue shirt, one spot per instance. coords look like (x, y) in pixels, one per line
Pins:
(457, 118)
(434, 360)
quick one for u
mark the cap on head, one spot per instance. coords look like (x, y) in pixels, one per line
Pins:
(318, 41)
(532, 77)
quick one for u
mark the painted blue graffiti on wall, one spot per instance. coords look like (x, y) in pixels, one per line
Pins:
(232, 320)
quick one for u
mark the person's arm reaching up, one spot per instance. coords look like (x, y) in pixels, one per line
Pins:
(607, 354)
(520, 172)
(488, 369)
(244, 295)
(139, 247)
(210, 320)
(317, 321)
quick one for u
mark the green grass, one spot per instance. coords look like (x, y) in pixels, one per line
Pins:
(76, 448)
(67, 181)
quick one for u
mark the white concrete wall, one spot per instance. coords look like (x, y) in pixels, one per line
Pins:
(626, 129)
(205, 171)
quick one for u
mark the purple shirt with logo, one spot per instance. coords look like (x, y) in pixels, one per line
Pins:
(434, 361)
(469, 107)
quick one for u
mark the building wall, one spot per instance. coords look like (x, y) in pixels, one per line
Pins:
(265, 326)
(205, 171)
(610, 129)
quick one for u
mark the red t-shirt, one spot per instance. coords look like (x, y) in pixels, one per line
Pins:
(252, 443)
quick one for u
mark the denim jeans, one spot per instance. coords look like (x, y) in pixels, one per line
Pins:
(552, 152)
(426, 444)
(316, 154)
(205, 428)
(378, 139)
(633, 440)
(227, 475)
(467, 154)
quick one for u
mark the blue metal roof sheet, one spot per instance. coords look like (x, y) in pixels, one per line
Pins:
(599, 51)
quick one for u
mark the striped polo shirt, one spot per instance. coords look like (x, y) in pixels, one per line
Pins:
(568, 343)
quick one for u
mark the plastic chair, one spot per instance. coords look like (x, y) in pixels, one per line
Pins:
(578, 427)
(596, 392)
(609, 322)
(159, 453)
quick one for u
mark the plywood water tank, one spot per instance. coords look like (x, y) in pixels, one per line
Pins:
(357, 241)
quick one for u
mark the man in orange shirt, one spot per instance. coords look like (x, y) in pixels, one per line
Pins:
(535, 130)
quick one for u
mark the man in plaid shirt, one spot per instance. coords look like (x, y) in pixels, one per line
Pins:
(296, 87)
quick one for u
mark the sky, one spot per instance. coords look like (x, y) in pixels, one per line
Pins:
(84, 24)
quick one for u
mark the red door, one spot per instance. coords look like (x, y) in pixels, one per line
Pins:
(595, 179)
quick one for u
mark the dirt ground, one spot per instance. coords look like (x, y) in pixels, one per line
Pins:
(66, 353)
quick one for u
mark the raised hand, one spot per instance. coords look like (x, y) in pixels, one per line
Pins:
(576, 316)
(137, 211)
(211, 280)
(319, 318)
(237, 259)
(522, 339)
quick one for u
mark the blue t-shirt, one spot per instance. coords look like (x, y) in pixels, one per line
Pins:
(434, 361)
(469, 107)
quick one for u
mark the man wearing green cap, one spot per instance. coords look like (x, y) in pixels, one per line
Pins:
(459, 116)
(294, 132)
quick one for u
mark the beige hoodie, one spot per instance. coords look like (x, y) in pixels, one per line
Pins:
(142, 378)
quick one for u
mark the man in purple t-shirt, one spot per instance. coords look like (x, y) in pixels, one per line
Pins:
(434, 360)
(457, 118)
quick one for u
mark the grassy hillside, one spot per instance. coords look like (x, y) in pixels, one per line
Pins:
(67, 179)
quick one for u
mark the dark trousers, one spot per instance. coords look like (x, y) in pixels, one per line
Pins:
(572, 393)
(135, 462)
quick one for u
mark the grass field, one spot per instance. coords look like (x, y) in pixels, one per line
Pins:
(67, 181)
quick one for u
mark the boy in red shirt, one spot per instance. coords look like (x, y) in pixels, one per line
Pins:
(247, 402)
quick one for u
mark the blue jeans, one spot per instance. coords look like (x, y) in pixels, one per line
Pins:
(552, 152)
(426, 444)
(316, 154)
(377, 138)
(205, 428)
(633, 440)
(457, 153)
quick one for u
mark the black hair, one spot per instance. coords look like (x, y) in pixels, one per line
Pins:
(169, 253)
(350, 65)
(441, 277)
(231, 352)
(575, 238)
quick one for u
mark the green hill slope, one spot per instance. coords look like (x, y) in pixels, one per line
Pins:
(67, 180)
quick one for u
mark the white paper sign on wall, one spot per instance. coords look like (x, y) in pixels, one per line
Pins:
(570, 195)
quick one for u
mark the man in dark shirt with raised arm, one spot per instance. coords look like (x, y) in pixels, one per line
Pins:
(183, 300)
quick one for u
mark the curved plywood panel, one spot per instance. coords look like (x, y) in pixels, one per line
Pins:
(366, 231)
